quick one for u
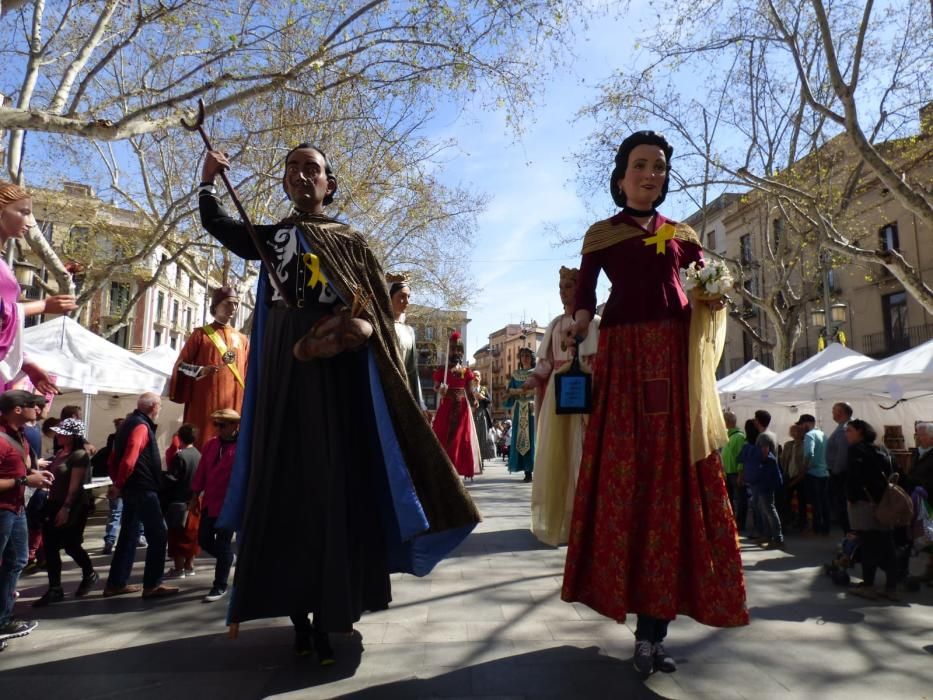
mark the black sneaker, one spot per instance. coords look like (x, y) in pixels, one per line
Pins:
(87, 583)
(108, 548)
(216, 594)
(663, 661)
(17, 628)
(53, 595)
(643, 660)
(303, 641)
(322, 647)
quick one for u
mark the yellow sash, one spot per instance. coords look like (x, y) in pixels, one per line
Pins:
(221, 346)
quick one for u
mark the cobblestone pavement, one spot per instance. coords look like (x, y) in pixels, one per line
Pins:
(488, 623)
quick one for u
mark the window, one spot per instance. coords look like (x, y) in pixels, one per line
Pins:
(157, 339)
(894, 313)
(429, 333)
(777, 227)
(173, 341)
(191, 287)
(119, 298)
(711, 240)
(189, 320)
(160, 307)
(78, 236)
(746, 248)
(175, 312)
(46, 228)
(120, 337)
(178, 275)
(888, 238)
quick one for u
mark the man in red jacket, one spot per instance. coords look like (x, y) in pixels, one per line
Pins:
(16, 473)
(135, 467)
(212, 479)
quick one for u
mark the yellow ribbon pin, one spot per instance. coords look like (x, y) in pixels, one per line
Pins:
(661, 237)
(313, 263)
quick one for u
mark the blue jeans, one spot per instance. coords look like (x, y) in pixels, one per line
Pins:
(139, 507)
(818, 497)
(770, 516)
(739, 500)
(759, 529)
(113, 521)
(14, 549)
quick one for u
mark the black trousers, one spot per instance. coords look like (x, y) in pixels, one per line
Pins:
(69, 538)
(651, 629)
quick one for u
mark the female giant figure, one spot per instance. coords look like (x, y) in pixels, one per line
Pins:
(652, 531)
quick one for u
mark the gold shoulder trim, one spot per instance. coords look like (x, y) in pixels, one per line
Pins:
(683, 232)
(604, 233)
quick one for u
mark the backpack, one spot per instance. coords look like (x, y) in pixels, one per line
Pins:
(894, 509)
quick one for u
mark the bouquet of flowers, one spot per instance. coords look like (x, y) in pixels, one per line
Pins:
(708, 283)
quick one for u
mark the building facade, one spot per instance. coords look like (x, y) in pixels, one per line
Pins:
(868, 308)
(433, 327)
(167, 304)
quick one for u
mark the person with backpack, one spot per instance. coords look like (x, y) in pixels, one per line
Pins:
(868, 467)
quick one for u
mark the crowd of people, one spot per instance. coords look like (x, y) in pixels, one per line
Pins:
(814, 481)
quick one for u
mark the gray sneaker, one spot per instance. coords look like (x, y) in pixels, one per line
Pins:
(17, 628)
(643, 660)
(663, 661)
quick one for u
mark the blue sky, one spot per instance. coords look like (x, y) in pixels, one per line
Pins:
(532, 190)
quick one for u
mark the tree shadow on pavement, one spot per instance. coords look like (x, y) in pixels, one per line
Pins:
(558, 672)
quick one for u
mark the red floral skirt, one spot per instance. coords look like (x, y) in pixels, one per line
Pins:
(452, 425)
(651, 533)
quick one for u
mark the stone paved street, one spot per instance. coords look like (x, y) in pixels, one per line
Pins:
(488, 623)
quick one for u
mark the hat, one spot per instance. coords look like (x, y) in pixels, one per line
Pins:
(19, 398)
(69, 426)
(805, 418)
(222, 294)
(226, 415)
(397, 282)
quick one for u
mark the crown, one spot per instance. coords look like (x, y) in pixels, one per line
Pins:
(396, 278)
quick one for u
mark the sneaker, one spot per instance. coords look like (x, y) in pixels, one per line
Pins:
(189, 573)
(53, 595)
(303, 641)
(2, 644)
(216, 593)
(322, 647)
(87, 583)
(108, 548)
(141, 543)
(643, 659)
(32, 566)
(663, 661)
(174, 573)
(17, 628)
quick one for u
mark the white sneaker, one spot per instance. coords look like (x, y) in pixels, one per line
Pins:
(189, 573)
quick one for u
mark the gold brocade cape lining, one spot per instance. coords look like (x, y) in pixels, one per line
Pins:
(606, 233)
(351, 266)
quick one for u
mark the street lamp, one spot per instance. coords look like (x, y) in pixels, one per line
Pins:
(24, 271)
(832, 326)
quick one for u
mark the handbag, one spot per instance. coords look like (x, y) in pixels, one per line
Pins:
(573, 390)
(176, 516)
(894, 509)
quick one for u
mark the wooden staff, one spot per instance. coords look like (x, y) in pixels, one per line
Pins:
(198, 125)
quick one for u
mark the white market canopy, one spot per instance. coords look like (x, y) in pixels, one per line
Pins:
(85, 362)
(751, 375)
(907, 375)
(162, 358)
(805, 381)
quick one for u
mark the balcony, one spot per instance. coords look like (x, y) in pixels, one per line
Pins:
(878, 345)
(495, 352)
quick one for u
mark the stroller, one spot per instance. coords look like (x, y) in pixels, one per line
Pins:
(847, 555)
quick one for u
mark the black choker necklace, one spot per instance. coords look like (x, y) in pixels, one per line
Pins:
(639, 212)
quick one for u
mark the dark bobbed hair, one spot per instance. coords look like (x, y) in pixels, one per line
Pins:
(865, 429)
(530, 352)
(70, 412)
(751, 431)
(398, 286)
(48, 424)
(639, 138)
(187, 433)
(328, 168)
(763, 417)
